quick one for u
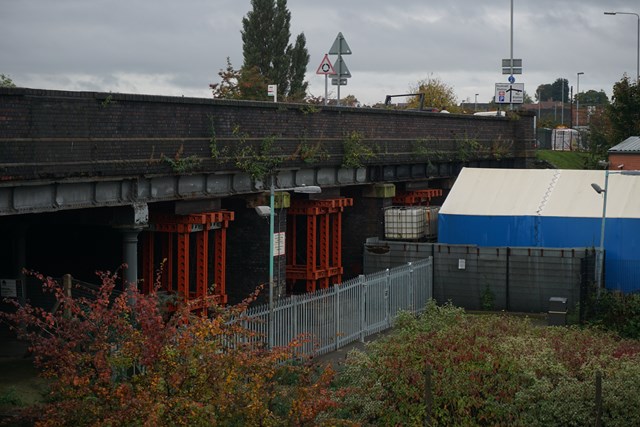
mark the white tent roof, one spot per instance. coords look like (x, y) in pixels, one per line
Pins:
(544, 192)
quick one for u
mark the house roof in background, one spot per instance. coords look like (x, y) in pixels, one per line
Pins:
(629, 145)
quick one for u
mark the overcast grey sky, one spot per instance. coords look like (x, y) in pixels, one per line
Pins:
(177, 47)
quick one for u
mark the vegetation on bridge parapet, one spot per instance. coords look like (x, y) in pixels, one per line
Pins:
(355, 151)
(260, 159)
(181, 164)
(258, 162)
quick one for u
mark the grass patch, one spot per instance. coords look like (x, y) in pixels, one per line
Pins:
(563, 159)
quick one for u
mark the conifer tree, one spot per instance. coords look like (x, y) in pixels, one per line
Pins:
(268, 53)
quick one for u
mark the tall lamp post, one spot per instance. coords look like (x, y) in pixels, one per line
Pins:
(605, 190)
(270, 210)
(638, 44)
(600, 263)
(578, 99)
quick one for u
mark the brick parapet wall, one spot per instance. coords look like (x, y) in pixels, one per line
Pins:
(48, 134)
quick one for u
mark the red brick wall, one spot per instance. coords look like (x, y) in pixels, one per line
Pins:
(630, 161)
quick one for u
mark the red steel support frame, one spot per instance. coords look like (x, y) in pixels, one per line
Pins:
(181, 228)
(417, 197)
(323, 264)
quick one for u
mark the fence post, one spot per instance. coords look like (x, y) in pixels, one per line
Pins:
(428, 396)
(336, 319)
(598, 398)
(387, 286)
(294, 301)
(363, 307)
(412, 285)
(66, 285)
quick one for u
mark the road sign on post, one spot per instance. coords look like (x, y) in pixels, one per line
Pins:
(507, 93)
(341, 69)
(325, 66)
(340, 47)
(272, 90)
(508, 69)
(327, 69)
(338, 82)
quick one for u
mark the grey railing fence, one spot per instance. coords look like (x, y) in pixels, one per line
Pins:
(351, 311)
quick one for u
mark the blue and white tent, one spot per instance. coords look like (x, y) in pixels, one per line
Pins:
(548, 208)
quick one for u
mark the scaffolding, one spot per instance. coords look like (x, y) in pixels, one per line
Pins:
(417, 197)
(189, 252)
(316, 225)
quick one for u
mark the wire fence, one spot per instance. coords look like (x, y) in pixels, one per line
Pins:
(334, 317)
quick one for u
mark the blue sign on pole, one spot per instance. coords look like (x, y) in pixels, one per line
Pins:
(512, 79)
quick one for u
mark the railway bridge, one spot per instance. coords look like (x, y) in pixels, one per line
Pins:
(89, 181)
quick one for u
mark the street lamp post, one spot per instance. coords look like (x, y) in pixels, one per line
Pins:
(605, 190)
(578, 99)
(638, 43)
(262, 210)
(600, 263)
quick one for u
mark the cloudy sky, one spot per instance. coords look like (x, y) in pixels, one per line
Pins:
(177, 47)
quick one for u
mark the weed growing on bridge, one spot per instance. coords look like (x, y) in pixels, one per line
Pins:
(107, 101)
(468, 149)
(500, 149)
(259, 162)
(355, 152)
(310, 109)
(422, 150)
(310, 152)
(181, 164)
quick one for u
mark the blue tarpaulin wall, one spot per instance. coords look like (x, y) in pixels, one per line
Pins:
(509, 218)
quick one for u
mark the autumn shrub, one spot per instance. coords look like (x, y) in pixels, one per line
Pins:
(489, 370)
(615, 311)
(124, 360)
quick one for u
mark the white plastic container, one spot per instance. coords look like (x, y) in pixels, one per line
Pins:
(404, 222)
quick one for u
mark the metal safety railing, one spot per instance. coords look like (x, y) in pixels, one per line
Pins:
(334, 317)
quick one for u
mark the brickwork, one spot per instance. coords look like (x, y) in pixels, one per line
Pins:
(630, 161)
(56, 134)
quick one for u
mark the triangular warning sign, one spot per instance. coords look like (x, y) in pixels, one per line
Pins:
(341, 68)
(325, 66)
(340, 46)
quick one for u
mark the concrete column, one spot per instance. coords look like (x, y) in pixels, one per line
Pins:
(21, 260)
(130, 253)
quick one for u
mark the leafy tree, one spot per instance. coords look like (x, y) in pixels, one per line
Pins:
(436, 94)
(592, 97)
(554, 91)
(5, 81)
(228, 87)
(267, 52)
(624, 111)
(124, 360)
(299, 60)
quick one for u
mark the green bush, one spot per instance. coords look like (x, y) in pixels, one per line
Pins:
(615, 311)
(489, 370)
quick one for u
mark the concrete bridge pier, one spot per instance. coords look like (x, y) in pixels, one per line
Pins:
(130, 254)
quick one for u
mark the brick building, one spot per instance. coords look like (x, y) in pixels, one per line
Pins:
(626, 155)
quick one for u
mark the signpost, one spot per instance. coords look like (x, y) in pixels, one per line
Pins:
(327, 69)
(507, 68)
(509, 93)
(340, 47)
(272, 90)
